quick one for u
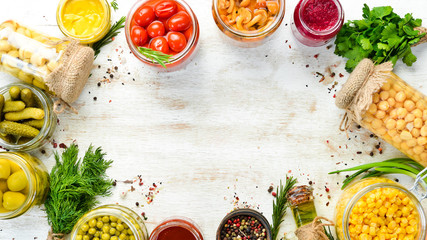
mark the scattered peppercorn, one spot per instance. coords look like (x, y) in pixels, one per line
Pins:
(270, 189)
(243, 227)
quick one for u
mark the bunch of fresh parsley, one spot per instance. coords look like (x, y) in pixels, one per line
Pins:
(381, 35)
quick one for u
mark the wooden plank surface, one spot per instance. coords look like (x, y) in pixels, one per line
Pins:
(230, 124)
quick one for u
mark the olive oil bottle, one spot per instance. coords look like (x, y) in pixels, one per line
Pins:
(301, 202)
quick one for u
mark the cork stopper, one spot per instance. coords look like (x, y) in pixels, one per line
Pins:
(299, 195)
(69, 78)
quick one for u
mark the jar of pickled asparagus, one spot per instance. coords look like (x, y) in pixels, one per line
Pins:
(110, 222)
(27, 119)
(378, 208)
(380, 101)
(23, 183)
(60, 67)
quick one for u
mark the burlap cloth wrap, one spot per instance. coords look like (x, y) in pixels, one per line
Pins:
(356, 94)
(69, 78)
(314, 230)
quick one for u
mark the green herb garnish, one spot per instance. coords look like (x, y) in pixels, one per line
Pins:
(114, 5)
(155, 56)
(280, 205)
(381, 35)
(108, 38)
(74, 186)
(392, 166)
(328, 233)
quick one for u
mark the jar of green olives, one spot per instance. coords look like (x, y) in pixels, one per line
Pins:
(25, 126)
(23, 183)
(110, 222)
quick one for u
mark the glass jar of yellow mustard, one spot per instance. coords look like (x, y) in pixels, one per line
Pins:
(110, 222)
(60, 67)
(23, 183)
(85, 20)
(378, 208)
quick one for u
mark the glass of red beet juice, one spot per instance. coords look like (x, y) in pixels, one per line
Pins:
(316, 22)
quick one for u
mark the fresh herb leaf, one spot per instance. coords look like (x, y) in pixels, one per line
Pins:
(114, 5)
(74, 186)
(155, 56)
(381, 35)
(328, 233)
(108, 38)
(280, 205)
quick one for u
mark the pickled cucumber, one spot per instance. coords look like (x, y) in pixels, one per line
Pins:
(35, 123)
(27, 97)
(13, 106)
(1, 105)
(18, 129)
(14, 93)
(27, 113)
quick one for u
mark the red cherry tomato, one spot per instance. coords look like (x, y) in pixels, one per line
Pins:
(160, 44)
(179, 22)
(165, 9)
(188, 33)
(138, 35)
(144, 16)
(156, 29)
(176, 41)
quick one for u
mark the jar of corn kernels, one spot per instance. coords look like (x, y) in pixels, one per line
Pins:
(383, 103)
(378, 208)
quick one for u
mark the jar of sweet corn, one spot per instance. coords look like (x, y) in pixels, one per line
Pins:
(23, 183)
(111, 222)
(378, 208)
(380, 101)
(60, 67)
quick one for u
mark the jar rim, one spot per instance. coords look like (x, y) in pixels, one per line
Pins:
(89, 38)
(47, 104)
(252, 34)
(336, 26)
(20, 160)
(176, 58)
(119, 211)
(177, 221)
(352, 202)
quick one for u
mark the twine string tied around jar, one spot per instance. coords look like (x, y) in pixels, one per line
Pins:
(314, 230)
(55, 236)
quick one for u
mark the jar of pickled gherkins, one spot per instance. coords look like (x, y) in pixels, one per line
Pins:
(44, 131)
(110, 222)
(378, 208)
(23, 183)
(60, 67)
(248, 22)
(380, 101)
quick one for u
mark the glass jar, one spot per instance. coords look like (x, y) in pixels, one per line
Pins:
(131, 223)
(178, 59)
(226, 18)
(49, 125)
(94, 19)
(60, 67)
(244, 212)
(176, 227)
(309, 19)
(36, 189)
(354, 215)
(301, 202)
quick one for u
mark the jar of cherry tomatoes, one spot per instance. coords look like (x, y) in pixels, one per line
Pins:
(168, 27)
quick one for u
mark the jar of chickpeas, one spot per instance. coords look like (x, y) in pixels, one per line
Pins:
(388, 107)
(23, 183)
(248, 22)
(110, 222)
(378, 208)
(58, 66)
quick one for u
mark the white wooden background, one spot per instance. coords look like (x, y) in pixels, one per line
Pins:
(233, 121)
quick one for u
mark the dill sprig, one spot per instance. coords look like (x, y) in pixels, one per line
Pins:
(156, 56)
(280, 205)
(108, 38)
(114, 5)
(74, 185)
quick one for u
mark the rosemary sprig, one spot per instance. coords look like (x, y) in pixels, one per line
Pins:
(156, 56)
(114, 5)
(74, 186)
(108, 38)
(280, 205)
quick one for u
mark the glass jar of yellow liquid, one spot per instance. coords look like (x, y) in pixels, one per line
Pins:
(23, 183)
(85, 20)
